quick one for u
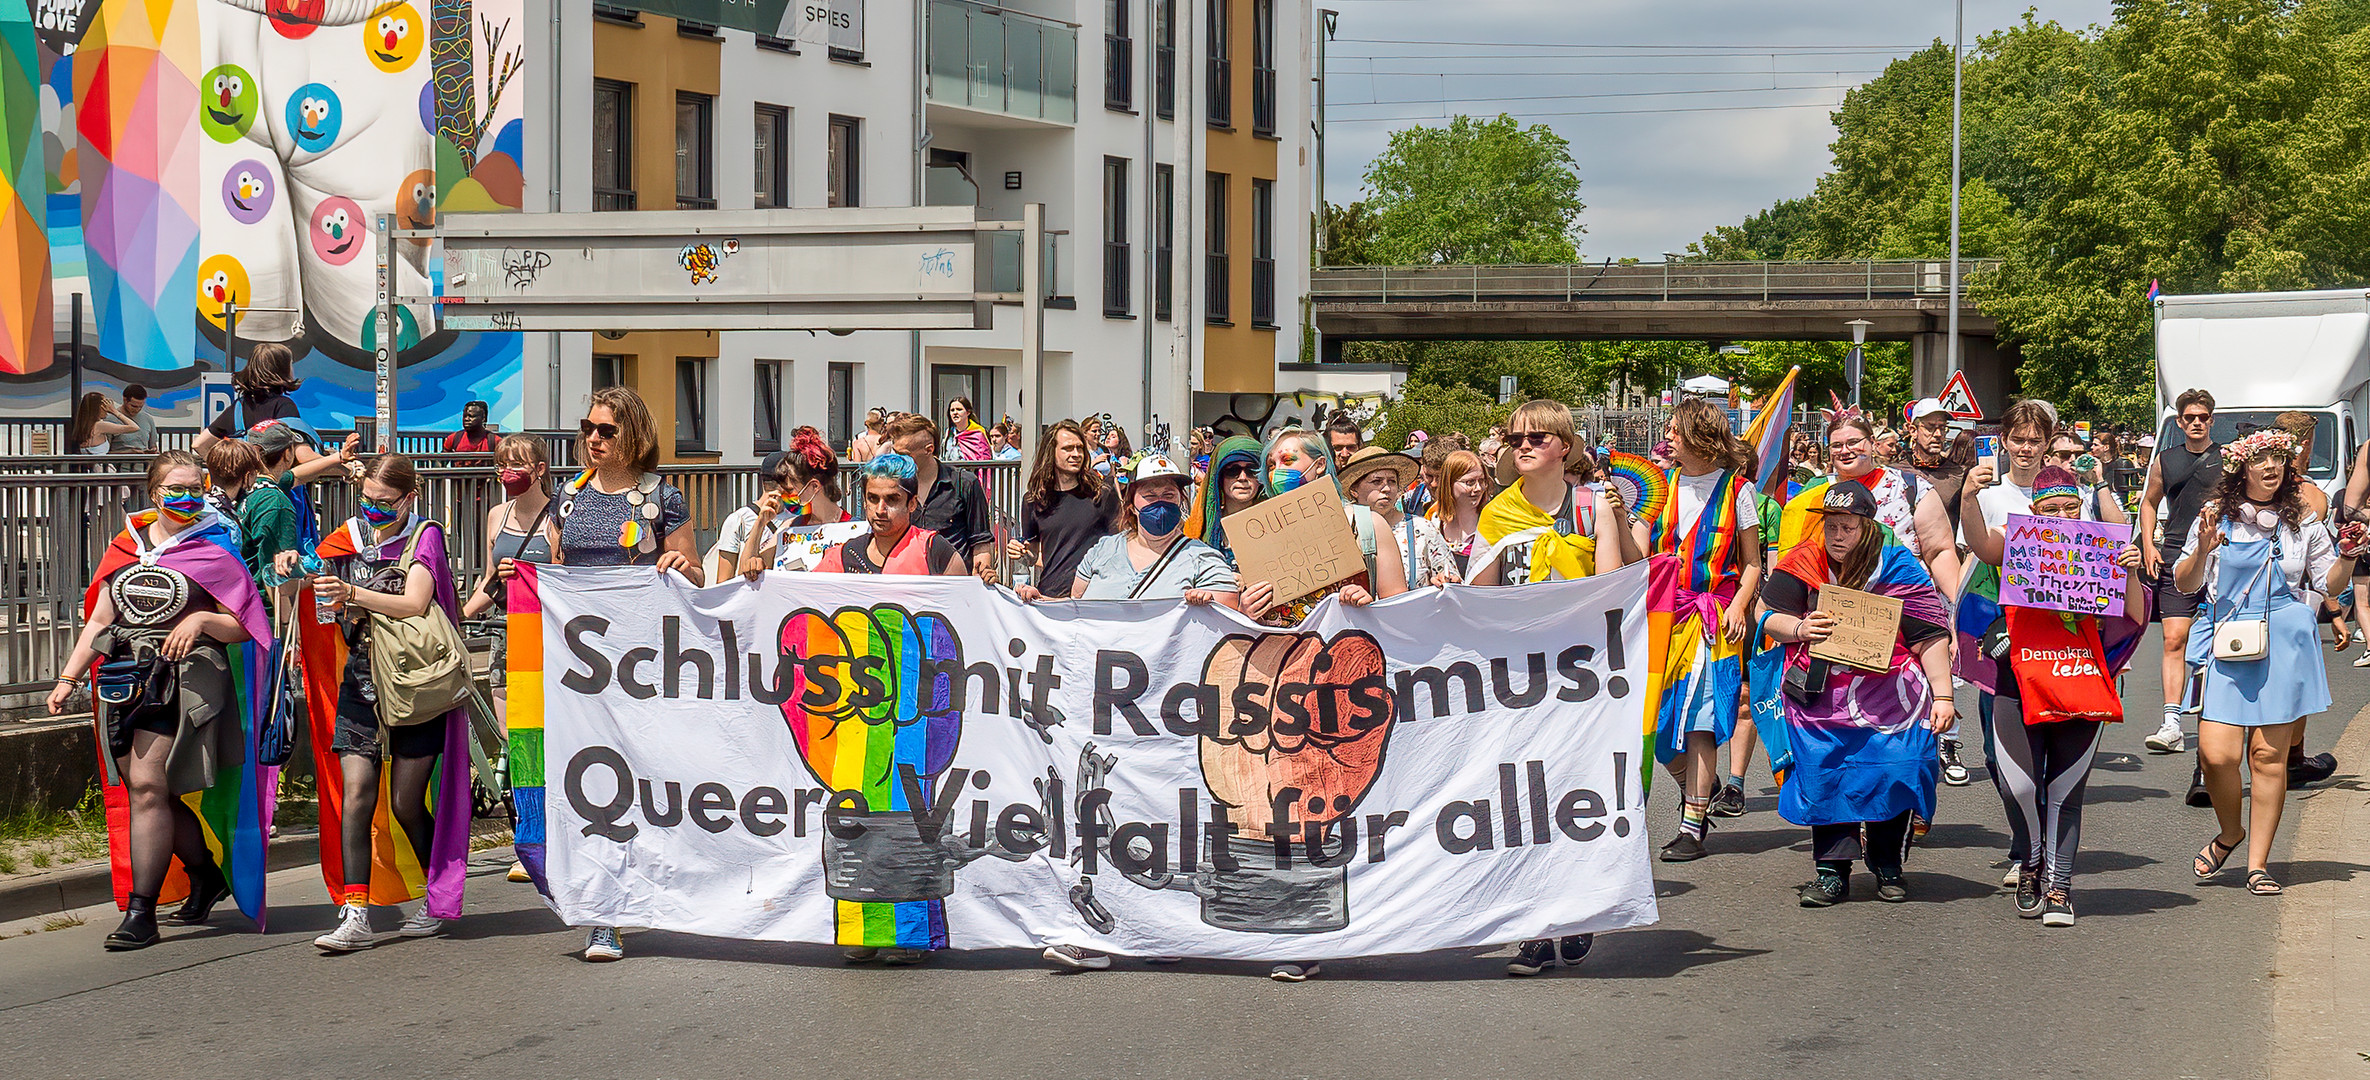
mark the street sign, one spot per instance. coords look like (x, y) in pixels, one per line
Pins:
(1960, 399)
(214, 396)
(898, 268)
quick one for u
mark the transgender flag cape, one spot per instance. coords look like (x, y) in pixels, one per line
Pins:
(396, 875)
(236, 812)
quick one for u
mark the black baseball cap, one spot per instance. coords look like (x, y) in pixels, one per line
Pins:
(1848, 497)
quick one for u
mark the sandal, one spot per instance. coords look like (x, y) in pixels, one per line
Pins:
(2209, 863)
(2260, 883)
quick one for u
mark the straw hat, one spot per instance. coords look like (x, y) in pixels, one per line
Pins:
(1371, 458)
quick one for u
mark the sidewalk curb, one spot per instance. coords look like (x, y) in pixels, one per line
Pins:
(2320, 971)
(83, 886)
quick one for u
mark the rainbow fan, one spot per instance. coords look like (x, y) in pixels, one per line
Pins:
(1642, 487)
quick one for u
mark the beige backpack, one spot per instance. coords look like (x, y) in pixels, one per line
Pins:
(420, 665)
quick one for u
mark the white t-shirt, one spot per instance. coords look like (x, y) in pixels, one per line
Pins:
(1692, 492)
(734, 534)
(2305, 555)
(2008, 497)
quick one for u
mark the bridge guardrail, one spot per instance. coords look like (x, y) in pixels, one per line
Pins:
(1864, 279)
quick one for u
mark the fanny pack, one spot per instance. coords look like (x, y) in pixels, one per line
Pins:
(142, 680)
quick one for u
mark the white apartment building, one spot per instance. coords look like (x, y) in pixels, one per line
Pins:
(1176, 180)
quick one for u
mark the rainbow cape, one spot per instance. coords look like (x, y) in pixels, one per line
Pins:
(236, 812)
(1696, 674)
(396, 875)
(1801, 514)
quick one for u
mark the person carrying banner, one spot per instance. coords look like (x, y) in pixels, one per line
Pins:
(388, 561)
(1233, 486)
(1706, 543)
(2262, 573)
(1150, 557)
(805, 494)
(1067, 509)
(1863, 742)
(1526, 541)
(619, 512)
(1294, 457)
(175, 635)
(2055, 694)
(1462, 491)
(896, 545)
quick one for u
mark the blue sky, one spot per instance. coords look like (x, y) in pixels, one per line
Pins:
(1739, 91)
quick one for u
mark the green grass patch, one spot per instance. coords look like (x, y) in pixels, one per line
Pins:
(40, 840)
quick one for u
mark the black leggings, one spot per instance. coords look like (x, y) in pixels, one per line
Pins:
(1836, 846)
(2042, 770)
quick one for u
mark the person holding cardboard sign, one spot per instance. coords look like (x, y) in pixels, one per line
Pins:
(1864, 742)
(2055, 694)
(1296, 457)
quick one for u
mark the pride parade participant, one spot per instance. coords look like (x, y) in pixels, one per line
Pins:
(2181, 477)
(805, 494)
(389, 561)
(1706, 543)
(1461, 493)
(163, 622)
(1067, 509)
(896, 545)
(966, 440)
(1150, 557)
(1233, 486)
(2260, 569)
(1528, 542)
(1296, 457)
(2054, 696)
(1863, 742)
(1374, 479)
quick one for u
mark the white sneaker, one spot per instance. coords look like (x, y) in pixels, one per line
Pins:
(1071, 956)
(352, 933)
(2363, 660)
(2015, 872)
(1293, 972)
(603, 945)
(421, 924)
(2167, 739)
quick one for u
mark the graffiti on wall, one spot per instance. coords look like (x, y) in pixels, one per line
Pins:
(283, 134)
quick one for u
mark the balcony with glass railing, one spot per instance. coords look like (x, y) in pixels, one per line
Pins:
(1003, 62)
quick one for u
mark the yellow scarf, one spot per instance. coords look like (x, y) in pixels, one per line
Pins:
(1552, 553)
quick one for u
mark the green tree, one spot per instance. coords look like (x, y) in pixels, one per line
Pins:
(1475, 191)
(1432, 409)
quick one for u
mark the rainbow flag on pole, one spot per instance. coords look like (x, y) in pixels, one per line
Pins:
(1768, 431)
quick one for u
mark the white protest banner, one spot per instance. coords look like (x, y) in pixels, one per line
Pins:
(926, 762)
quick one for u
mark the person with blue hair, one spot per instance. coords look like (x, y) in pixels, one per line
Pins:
(895, 545)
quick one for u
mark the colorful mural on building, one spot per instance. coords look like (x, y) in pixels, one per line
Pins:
(242, 152)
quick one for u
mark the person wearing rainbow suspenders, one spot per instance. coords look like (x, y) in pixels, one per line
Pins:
(1704, 544)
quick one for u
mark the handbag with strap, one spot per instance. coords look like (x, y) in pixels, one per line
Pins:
(419, 664)
(275, 741)
(2249, 638)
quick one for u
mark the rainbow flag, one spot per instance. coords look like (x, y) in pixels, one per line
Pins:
(1695, 671)
(236, 812)
(525, 720)
(1767, 437)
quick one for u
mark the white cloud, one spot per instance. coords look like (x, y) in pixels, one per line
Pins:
(1657, 180)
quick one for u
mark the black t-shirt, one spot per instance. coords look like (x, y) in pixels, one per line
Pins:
(235, 420)
(2189, 480)
(855, 556)
(957, 509)
(1065, 532)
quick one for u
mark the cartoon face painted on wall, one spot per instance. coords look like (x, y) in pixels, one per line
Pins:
(393, 38)
(226, 103)
(340, 230)
(314, 117)
(415, 201)
(221, 280)
(248, 191)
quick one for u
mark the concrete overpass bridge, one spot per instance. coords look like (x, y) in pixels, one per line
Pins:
(1905, 300)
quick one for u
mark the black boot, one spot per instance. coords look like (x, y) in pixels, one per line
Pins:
(207, 887)
(2304, 770)
(2197, 792)
(139, 926)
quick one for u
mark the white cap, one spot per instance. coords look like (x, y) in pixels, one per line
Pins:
(1150, 465)
(1928, 407)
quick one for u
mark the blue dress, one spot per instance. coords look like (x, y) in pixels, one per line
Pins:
(2289, 681)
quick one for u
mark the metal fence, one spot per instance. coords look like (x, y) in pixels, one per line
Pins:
(1864, 279)
(55, 524)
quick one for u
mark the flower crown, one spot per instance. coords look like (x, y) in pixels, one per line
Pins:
(2267, 443)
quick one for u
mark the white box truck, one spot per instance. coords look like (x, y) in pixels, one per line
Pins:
(2262, 354)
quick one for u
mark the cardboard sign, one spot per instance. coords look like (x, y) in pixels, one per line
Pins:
(1300, 540)
(2063, 565)
(1866, 627)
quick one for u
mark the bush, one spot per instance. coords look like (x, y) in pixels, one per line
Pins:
(1434, 409)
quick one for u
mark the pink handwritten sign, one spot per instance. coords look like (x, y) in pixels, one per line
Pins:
(2063, 565)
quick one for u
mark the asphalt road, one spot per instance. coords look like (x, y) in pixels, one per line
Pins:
(2162, 978)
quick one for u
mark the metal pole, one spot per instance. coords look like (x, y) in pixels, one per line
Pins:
(555, 117)
(921, 165)
(1325, 21)
(387, 339)
(230, 339)
(1032, 327)
(74, 353)
(1148, 81)
(1189, 183)
(1958, 72)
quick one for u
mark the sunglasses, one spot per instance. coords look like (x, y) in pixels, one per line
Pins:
(1238, 470)
(588, 429)
(388, 505)
(2063, 455)
(184, 492)
(2191, 418)
(1532, 439)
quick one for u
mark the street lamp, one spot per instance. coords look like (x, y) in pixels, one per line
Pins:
(1852, 362)
(1958, 73)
